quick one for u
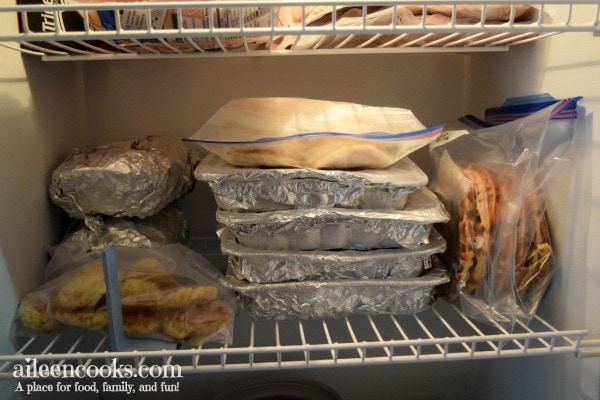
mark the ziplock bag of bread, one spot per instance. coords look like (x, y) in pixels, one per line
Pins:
(168, 292)
(127, 178)
(495, 183)
(307, 133)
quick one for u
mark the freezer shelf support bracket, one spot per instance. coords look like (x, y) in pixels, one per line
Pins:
(589, 348)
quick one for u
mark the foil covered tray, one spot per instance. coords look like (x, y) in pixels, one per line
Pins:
(269, 266)
(335, 299)
(268, 189)
(338, 228)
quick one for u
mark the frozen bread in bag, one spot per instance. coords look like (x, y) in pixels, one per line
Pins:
(307, 133)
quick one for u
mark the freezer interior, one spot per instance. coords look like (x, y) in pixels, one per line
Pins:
(48, 108)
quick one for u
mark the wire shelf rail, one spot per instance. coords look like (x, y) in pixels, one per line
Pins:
(109, 30)
(442, 333)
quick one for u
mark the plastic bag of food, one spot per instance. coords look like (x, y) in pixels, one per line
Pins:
(495, 183)
(128, 178)
(169, 293)
(221, 21)
(409, 18)
(306, 133)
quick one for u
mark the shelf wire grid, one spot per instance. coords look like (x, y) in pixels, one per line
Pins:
(442, 333)
(266, 35)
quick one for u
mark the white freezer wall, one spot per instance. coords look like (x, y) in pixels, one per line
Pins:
(564, 66)
(47, 108)
(41, 118)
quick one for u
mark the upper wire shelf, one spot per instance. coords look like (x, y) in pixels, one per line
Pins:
(233, 28)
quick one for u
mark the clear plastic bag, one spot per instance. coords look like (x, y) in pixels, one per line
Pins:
(307, 133)
(168, 292)
(495, 183)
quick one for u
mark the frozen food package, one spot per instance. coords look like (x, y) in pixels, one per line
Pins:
(522, 106)
(269, 266)
(128, 178)
(408, 18)
(309, 133)
(495, 183)
(169, 292)
(338, 298)
(269, 189)
(168, 226)
(338, 228)
(221, 21)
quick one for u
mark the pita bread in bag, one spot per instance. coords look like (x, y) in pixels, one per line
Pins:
(307, 133)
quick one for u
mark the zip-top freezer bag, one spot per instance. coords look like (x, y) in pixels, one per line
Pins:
(168, 292)
(495, 183)
(307, 133)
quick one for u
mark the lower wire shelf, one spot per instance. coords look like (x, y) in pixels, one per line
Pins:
(439, 334)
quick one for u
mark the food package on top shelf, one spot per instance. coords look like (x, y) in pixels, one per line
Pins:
(168, 226)
(495, 183)
(270, 189)
(200, 19)
(308, 133)
(128, 178)
(338, 228)
(167, 292)
(269, 266)
(412, 16)
(338, 298)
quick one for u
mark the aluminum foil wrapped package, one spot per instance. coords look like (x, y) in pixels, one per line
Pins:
(268, 266)
(129, 178)
(335, 299)
(268, 189)
(167, 226)
(338, 228)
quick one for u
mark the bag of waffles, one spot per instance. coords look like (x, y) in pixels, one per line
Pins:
(495, 183)
(169, 293)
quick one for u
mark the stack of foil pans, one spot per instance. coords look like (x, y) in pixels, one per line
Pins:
(305, 244)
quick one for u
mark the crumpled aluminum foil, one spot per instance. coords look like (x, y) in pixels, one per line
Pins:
(129, 178)
(338, 228)
(168, 226)
(269, 266)
(269, 189)
(335, 299)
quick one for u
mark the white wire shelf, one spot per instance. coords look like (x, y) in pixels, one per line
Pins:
(442, 333)
(237, 28)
